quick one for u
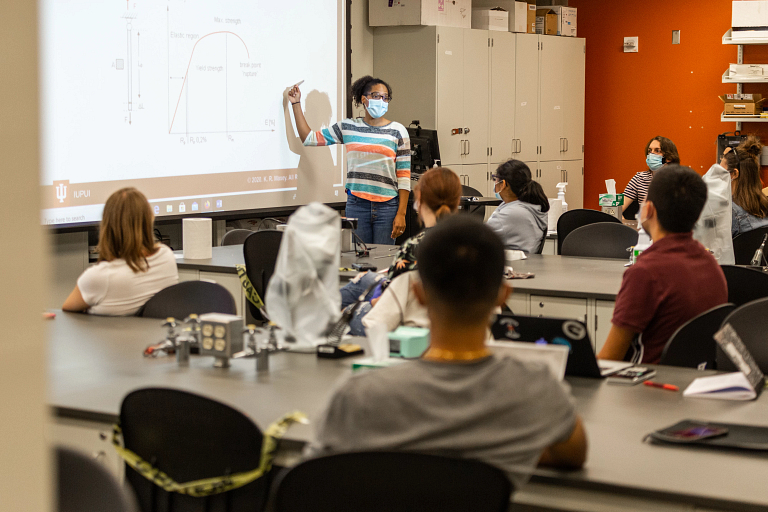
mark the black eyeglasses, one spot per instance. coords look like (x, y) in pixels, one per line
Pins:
(377, 96)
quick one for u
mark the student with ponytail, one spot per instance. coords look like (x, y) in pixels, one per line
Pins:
(521, 220)
(750, 206)
(378, 160)
(437, 195)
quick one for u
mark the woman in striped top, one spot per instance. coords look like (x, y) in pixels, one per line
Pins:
(659, 151)
(378, 160)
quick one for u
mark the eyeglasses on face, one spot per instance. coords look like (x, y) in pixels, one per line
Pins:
(377, 96)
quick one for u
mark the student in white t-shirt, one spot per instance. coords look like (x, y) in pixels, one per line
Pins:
(132, 267)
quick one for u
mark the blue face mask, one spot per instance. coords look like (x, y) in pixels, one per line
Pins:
(498, 196)
(654, 161)
(377, 108)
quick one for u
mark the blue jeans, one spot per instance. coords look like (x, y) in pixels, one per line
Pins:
(374, 220)
(353, 289)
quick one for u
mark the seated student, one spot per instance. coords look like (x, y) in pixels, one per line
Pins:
(131, 268)
(750, 206)
(521, 220)
(658, 152)
(458, 399)
(436, 195)
(674, 280)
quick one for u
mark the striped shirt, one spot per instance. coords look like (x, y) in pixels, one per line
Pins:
(637, 188)
(378, 157)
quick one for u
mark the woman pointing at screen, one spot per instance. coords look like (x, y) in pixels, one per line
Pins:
(378, 160)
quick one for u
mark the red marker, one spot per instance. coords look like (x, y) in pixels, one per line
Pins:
(668, 387)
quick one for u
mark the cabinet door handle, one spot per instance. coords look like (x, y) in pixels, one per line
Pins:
(566, 144)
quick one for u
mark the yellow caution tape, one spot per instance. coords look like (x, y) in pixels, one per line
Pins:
(215, 485)
(250, 292)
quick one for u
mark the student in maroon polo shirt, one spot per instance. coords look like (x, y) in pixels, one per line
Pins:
(673, 280)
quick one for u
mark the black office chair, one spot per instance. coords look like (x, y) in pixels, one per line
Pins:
(750, 322)
(183, 299)
(260, 253)
(389, 481)
(600, 240)
(467, 191)
(190, 437)
(85, 485)
(745, 284)
(745, 245)
(573, 219)
(236, 237)
(692, 344)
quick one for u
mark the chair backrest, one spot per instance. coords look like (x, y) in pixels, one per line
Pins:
(85, 485)
(692, 344)
(750, 322)
(745, 245)
(467, 191)
(573, 219)
(745, 284)
(260, 254)
(388, 481)
(236, 236)
(600, 240)
(183, 299)
(190, 437)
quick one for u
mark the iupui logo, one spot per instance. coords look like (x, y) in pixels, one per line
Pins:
(61, 189)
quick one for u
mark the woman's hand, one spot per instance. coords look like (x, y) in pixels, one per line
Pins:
(294, 94)
(398, 226)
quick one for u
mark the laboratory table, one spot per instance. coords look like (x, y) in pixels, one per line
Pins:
(96, 361)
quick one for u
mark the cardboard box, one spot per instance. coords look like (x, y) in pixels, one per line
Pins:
(531, 25)
(753, 14)
(517, 12)
(747, 70)
(546, 21)
(441, 13)
(742, 104)
(566, 20)
(490, 19)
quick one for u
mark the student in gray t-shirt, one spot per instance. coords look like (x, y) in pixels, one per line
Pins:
(458, 399)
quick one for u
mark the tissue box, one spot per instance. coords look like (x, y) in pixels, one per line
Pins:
(611, 200)
(408, 342)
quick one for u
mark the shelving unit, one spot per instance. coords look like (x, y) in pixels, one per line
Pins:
(728, 39)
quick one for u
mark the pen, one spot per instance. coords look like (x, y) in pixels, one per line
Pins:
(668, 387)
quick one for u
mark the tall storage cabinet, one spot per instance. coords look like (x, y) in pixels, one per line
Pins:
(491, 96)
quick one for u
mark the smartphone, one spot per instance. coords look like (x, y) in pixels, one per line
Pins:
(631, 376)
(692, 433)
(362, 267)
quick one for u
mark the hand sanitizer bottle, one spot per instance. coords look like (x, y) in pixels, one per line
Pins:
(561, 195)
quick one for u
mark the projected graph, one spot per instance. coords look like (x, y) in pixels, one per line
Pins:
(217, 92)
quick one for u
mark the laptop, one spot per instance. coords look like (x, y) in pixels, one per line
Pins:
(558, 331)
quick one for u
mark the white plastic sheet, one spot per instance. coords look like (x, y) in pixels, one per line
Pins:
(303, 294)
(713, 229)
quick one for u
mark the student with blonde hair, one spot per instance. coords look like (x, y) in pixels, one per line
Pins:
(132, 267)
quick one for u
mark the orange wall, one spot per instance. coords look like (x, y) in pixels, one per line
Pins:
(664, 89)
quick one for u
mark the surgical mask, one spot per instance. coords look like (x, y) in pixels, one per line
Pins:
(498, 196)
(377, 108)
(654, 161)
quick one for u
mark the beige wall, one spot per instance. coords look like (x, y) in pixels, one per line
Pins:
(361, 41)
(24, 467)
